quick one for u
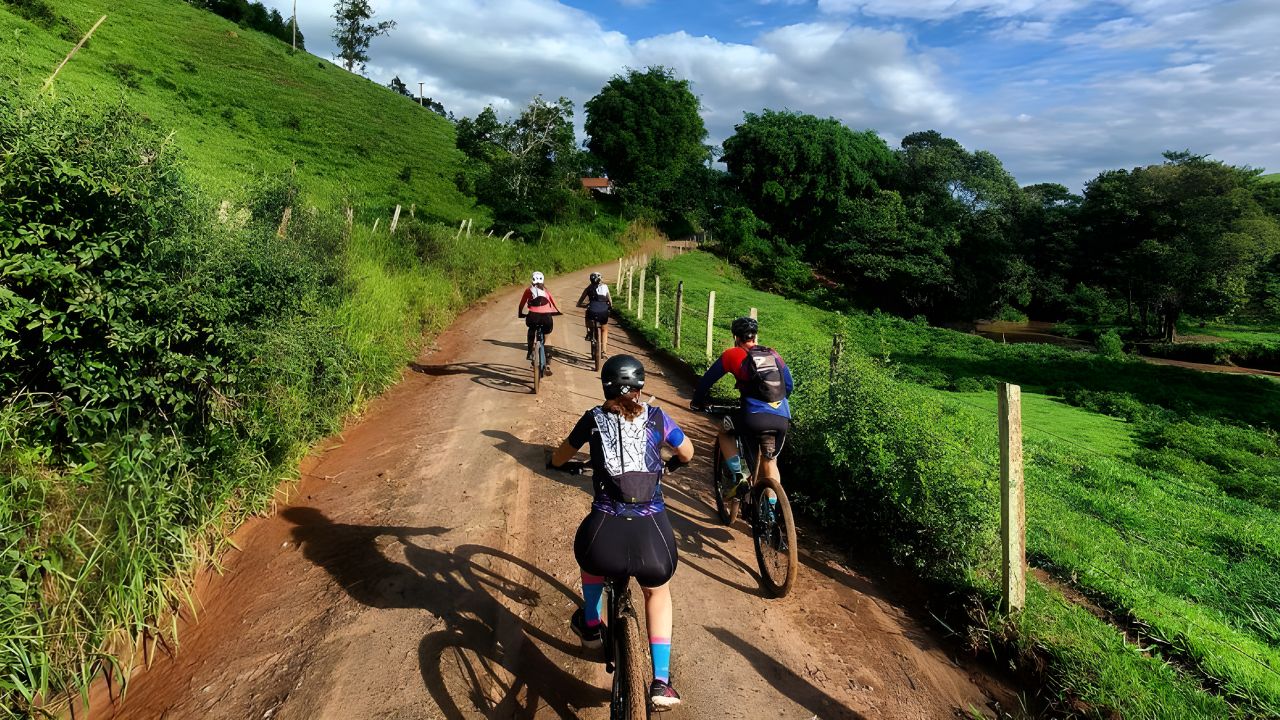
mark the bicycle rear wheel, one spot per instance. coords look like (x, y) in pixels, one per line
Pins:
(774, 530)
(631, 668)
(720, 484)
(537, 362)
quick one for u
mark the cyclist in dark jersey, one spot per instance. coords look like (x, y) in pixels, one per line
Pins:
(754, 416)
(627, 533)
(595, 297)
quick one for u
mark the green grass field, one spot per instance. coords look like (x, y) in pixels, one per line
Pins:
(240, 105)
(1115, 508)
(1273, 177)
(1233, 331)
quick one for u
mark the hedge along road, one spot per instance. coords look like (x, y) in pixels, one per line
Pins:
(424, 569)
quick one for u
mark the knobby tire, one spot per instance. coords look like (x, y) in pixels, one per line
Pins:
(537, 363)
(775, 542)
(630, 674)
(720, 484)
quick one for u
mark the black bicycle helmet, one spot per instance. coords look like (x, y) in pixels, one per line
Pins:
(621, 374)
(596, 277)
(745, 328)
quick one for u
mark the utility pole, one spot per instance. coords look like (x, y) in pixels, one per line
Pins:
(295, 26)
(419, 89)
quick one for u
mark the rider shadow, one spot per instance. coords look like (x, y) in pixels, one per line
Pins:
(497, 377)
(784, 680)
(465, 595)
(534, 457)
(697, 541)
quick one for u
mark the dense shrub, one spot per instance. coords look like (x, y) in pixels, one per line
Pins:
(1244, 353)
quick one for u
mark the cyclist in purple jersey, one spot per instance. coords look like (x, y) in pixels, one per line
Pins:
(627, 533)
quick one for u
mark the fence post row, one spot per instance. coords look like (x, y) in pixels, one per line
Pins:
(1013, 515)
(657, 298)
(630, 272)
(711, 318)
(679, 310)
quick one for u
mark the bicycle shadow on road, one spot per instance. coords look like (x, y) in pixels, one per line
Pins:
(491, 647)
(784, 680)
(506, 378)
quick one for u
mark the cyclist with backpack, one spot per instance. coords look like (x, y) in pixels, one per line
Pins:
(765, 383)
(538, 309)
(595, 297)
(627, 533)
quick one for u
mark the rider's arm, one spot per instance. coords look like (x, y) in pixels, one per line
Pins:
(524, 299)
(578, 437)
(675, 437)
(709, 378)
(584, 297)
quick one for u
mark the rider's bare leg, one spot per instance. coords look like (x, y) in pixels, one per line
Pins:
(604, 338)
(728, 448)
(657, 612)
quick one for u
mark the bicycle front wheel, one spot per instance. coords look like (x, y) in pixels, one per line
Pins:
(597, 351)
(720, 484)
(631, 670)
(774, 530)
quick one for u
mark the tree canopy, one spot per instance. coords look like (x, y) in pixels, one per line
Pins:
(645, 129)
(355, 30)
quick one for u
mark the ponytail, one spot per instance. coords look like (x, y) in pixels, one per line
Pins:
(624, 405)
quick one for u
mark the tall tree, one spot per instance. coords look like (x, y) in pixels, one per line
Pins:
(526, 169)
(355, 30)
(1185, 236)
(798, 172)
(645, 128)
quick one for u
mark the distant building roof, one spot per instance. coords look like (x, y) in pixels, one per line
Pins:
(594, 183)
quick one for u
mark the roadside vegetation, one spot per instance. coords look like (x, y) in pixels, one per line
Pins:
(170, 346)
(1151, 493)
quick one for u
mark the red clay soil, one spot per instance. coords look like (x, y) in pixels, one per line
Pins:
(424, 570)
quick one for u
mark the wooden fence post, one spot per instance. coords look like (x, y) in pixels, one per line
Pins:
(395, 220)
(630, 272)
(640, 296)
(412, 207)
(753, 314)
(284, 222)
(657, 298)
(711, 318)
(351, 219)
(618, 282)
(837, 349)
(74, 50)
(1013, 514)
(375, 224)
(679, 310)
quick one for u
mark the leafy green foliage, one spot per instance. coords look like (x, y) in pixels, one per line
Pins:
(355, 30)
(645, 129)
(255, 16)
(1164, 518)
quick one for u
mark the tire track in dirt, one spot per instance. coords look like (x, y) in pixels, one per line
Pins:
(424, 569)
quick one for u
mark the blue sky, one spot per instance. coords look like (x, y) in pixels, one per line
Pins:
(1059, 90)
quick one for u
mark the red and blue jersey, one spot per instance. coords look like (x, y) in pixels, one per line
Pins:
(733, 362)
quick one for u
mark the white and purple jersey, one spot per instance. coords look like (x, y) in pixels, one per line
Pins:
(626, 454)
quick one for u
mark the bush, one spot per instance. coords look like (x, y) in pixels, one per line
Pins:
(1110, 344)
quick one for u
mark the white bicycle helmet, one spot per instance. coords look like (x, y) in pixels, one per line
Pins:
(537, 278)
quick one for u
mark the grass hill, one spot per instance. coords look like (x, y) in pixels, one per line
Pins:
(162, 366)
(1273, 177)
(239, 103)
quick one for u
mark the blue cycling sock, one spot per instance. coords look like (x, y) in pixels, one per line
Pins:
(661, 650)
(734, 464)
(592, 592)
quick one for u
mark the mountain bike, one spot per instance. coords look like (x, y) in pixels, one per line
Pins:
(626, 647)
(538, 357)
(773, 528)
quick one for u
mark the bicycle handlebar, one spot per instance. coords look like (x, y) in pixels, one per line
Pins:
(718, 409)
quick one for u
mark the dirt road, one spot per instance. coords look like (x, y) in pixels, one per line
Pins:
(424, 570)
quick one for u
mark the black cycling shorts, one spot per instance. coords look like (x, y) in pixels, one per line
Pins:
(769, 429)
(640, 547)
(598, 313)
(533, 320)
